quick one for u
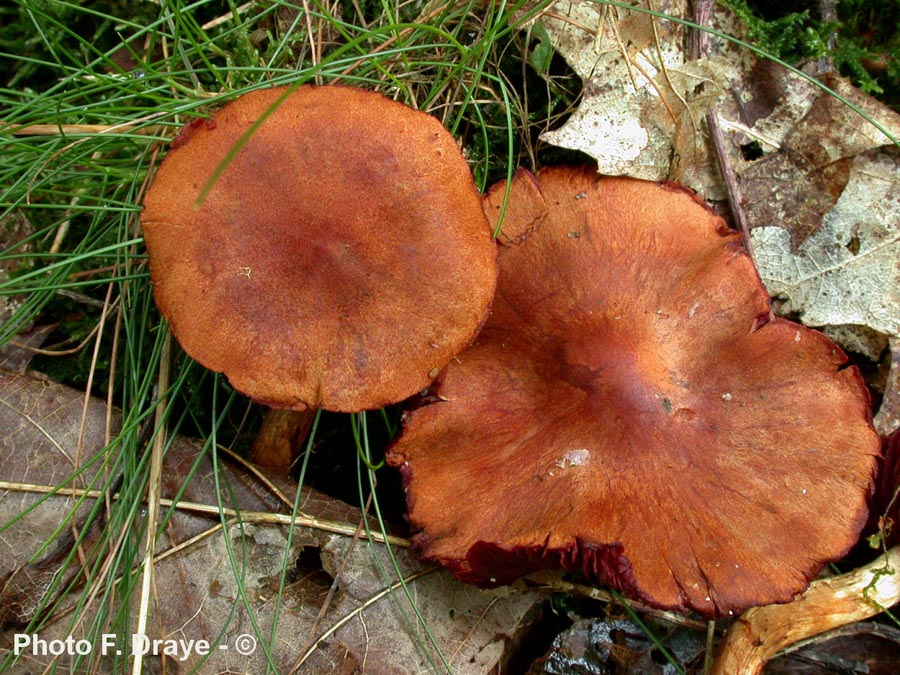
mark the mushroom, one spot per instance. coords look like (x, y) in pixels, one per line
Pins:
(339, 259)
(632, 410)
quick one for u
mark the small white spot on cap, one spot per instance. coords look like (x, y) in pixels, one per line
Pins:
(576, 457)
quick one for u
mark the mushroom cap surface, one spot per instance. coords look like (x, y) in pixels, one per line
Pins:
(632, 410)
(341, 258)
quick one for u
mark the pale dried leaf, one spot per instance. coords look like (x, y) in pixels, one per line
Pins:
(807, 160)
(40, 429)
(608, 47)
(847, 272)
(644, 101)
(858, 339)
(822, 207)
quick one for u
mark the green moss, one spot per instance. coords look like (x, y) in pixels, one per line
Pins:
(864, 41)
(868, 46)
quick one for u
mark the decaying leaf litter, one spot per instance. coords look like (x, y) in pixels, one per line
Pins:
(224, 570)
(820, 278)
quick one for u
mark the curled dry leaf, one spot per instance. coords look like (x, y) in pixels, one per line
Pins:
(15, 236)
(821, 203)
(40, 433)
(885, 519)
(847, 271)
(808, 140)
(865, 647)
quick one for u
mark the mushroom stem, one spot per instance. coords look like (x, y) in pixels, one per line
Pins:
(278, 442)
(828, 603)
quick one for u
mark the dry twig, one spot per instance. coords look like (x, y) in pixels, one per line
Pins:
(762, 632)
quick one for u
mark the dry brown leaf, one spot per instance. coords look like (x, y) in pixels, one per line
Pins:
(809, 138)
(846, 272)
(196, 591)
(866, 647)
(15, 233)
(887, 421)
(823, 209)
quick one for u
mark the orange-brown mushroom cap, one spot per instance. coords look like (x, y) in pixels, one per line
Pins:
(341, 258)
(632, 410)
